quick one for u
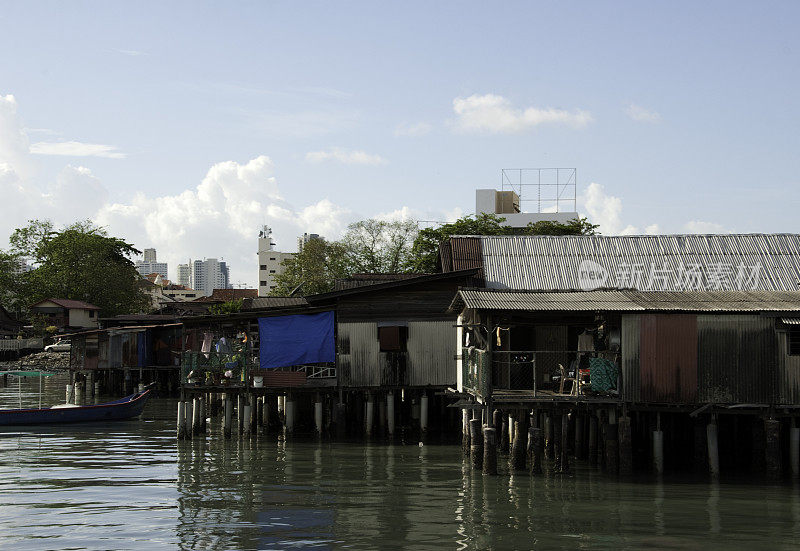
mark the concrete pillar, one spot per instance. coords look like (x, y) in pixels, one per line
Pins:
(625, 451)
(536, 444)
(504, 439)
(476, 443)
(318, 416)
(341, 420)
(611, 447)
(713, 448)
(509, 432)
(772, 451)
(246, 414)
(195, 416)
(265, 413)
(369, 411)
(96, 391)
(289, 407)
(78, 389)
(189, 420)
(181, 424)
(489, 450)
(390, 419)
(382, 415)
(423, 413)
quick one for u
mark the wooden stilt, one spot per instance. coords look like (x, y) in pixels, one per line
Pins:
(536, 443)
(489, 450)
(625, 451)
(476, 443)
(772, 451)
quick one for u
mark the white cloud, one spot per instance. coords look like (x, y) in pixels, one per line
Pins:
(344, 156)
(640, 114)
(413, 129)
(605, 210)
(652, 229)
(77, 149)
(220, 218)
(494, 114)
(700, 226)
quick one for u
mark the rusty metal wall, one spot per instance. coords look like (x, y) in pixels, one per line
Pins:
(631, 379)
(431, 349)
(738, 359)
(668, 358)
(360, 366)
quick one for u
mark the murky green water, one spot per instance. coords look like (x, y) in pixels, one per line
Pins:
(130, 485)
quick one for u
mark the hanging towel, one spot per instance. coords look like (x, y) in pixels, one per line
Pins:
(205, 348)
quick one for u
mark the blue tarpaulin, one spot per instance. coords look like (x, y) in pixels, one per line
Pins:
(296, 340)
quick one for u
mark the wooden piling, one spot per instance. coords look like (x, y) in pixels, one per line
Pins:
(611, 447)
(624, 442)
(369, 409)
(423, 413)
(592, 439)
(580, 450)
(476, 443)
(518, 447)
(564, 443)
(227, 420)
(549, 445)
(772, 451)
(465, 431)
(712, 444)
(558, 451)
(318, 416)
(504, 439)
(536, 443)
(794, 449)
(290, 413)
(181, 423)
(489, 450)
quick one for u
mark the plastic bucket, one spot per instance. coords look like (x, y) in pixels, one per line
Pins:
(258, 381)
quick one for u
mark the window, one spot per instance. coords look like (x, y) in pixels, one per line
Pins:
(272, 258)
(262, 283)
(793, 341)
(392, 338)
(272, 271)
(91, 313)
(262, 267)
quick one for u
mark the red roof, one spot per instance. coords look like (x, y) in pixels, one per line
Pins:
(226, 295)
(67, 303)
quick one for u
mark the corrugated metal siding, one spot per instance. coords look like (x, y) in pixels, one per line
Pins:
(668, 358)
(737, 359)
(553, 262)
(360, 366)
(631, 380)
(431, 350)
(788, 372)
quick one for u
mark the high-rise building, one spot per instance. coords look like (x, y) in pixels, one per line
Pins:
(150, 265)
(270, 262)
(305, 238)
(185, 274)
(209, 274)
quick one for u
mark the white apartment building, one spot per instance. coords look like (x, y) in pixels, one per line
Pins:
(185, 274)
(269, 261)
(150, 265)
(208, 275)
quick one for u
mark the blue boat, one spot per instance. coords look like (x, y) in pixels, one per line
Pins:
(124, 408)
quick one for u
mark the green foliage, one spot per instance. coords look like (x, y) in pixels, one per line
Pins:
(425, 250)
(229, 307)
(80, 262)
(313, 270)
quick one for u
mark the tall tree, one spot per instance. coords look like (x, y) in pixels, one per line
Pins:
(378, 246)
(425, 250)
(79, 262)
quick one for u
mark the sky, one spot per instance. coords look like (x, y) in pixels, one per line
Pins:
(187, 126)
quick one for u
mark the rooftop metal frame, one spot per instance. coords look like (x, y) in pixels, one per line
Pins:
(560, 186)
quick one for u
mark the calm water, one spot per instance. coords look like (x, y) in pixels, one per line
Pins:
(131, 485)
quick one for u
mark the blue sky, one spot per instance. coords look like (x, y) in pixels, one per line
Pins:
(185, 126)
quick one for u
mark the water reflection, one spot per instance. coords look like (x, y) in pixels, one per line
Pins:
(132, 485)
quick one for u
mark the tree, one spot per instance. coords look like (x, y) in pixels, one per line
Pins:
(80, 262)
(313, 270)
(377, 246)
(425, 250)
(228, 307)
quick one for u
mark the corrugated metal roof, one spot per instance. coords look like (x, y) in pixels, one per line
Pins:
(791, 321)
(276, 302)
(653, 262)
(629, 301)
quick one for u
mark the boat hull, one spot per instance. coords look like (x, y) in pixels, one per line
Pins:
(124, 408)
